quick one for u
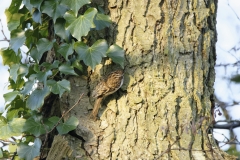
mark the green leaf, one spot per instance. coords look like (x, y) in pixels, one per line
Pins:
(116, 53)
(17, 109)
(65, 50)
(28, 87)
(29, 152)
(32, 37)
(36, 4)
(9, 57)
(77, 65)
(13, 72)
(51, 122)
(17, 125)
(91, 56)
(1, 153)
(42, 76)
(17, 39)
(75, 5)
(14, 6)
(12, 148)
(49, 66)
(53, 9)
(18, 85)
(67, 126)
(3, 121)
(27, 4)
(43, 29)
(36, 99)
(44, 45)
(101, 21)
(10, 96)
(13, 20)
(36, 69)
(33, 127)
(23, 70)
(80, 26)
(59, 87)
(14, 113)
(35, 55)
(12, 128)
(60, 30)
(37, 16)
(67, 69)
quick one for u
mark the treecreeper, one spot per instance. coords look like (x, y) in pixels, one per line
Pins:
(110, 84)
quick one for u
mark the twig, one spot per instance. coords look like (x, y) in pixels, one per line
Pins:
(5, 37)
(64, 114)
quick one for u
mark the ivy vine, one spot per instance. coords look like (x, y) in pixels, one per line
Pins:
(55, 31)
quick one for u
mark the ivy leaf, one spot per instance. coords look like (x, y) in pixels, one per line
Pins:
(80, 26)
(51, 122)
(10, 96)
(18, 85)
(14, 6)
(31, 37)
(14, 113)
(59, 87)
(37, 16)
(67, 126)
(101, 21)
(17, 125)
(35, 55)
(53, 9)
(67, 69)
(28, 87)
(18, 69)
(65, 50)
(49, 66)
(91, 56)
(23, 70)
(42, 76)
(43, 30)
(29, 152)
(12, 128)
(77, 65)
(27, 4)
(13, 72)
(33, 127)
(9, 57)
(75, 5)
(44, 45)
(1, 153)
(116, 53)
(13, 20)
(36, 4)
(17, 39)
(36, 99)
(3, 121)
(60, 29)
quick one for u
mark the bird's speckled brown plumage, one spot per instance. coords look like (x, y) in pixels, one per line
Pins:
(110, 84)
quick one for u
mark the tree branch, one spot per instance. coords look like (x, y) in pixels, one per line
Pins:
(229, 125)
(5, 37)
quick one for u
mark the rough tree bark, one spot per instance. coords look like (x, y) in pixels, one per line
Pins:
(163, 109)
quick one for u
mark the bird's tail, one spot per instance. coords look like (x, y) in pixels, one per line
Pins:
(96, 107)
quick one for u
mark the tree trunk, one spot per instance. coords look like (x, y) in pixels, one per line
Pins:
(163, 109)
